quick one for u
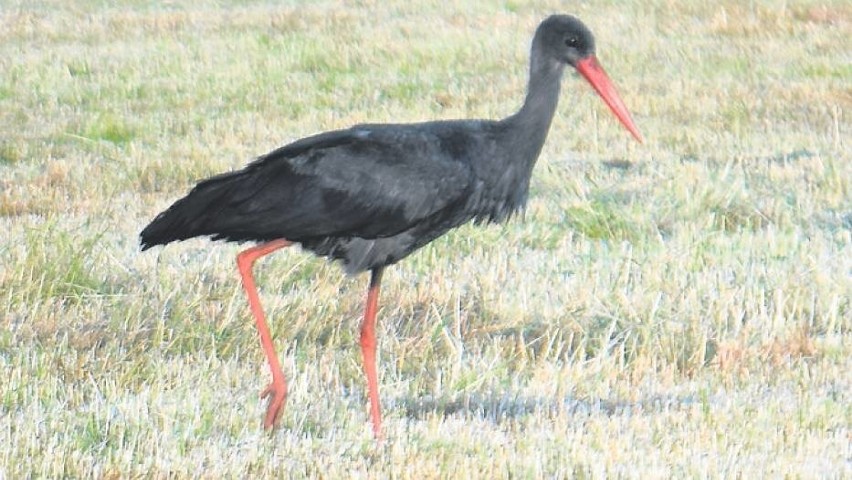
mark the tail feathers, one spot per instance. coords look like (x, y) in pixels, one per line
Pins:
(191, 215)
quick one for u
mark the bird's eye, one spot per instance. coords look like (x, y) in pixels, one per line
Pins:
(571, 42)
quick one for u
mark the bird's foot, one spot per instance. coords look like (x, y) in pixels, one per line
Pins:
(277, 393)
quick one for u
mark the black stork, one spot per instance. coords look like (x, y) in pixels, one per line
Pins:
(372, 194)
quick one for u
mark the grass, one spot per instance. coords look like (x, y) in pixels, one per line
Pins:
(679, 308)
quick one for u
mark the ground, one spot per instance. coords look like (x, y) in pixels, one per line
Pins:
(678, 308)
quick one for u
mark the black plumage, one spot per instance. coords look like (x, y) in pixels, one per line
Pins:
(372, 194)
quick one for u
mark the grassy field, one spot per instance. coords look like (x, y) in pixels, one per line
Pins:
(679, 308)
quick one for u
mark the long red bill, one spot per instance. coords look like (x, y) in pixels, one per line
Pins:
(595, 74)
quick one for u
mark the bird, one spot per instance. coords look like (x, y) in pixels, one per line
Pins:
(369, 195)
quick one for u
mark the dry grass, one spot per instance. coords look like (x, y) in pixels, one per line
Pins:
(675, 309)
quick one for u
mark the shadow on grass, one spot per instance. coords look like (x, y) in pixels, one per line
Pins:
(505, 407)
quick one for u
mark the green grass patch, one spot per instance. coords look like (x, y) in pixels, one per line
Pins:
(108, 128)
(60, 265)
(602, 220)
(11, 153)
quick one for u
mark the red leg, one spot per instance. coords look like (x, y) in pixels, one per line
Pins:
(277, 390)
(368, 350)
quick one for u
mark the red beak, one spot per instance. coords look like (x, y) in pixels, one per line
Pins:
(595, 74)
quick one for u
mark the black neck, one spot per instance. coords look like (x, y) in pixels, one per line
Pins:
(529, 126)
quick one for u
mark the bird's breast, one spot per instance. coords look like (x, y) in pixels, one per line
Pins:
(496, 205)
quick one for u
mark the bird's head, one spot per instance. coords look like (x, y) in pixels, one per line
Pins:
(566, 40)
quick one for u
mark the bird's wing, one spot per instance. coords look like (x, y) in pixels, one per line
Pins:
(364, 182)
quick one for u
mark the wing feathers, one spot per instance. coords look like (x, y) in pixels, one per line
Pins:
(366, 182)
